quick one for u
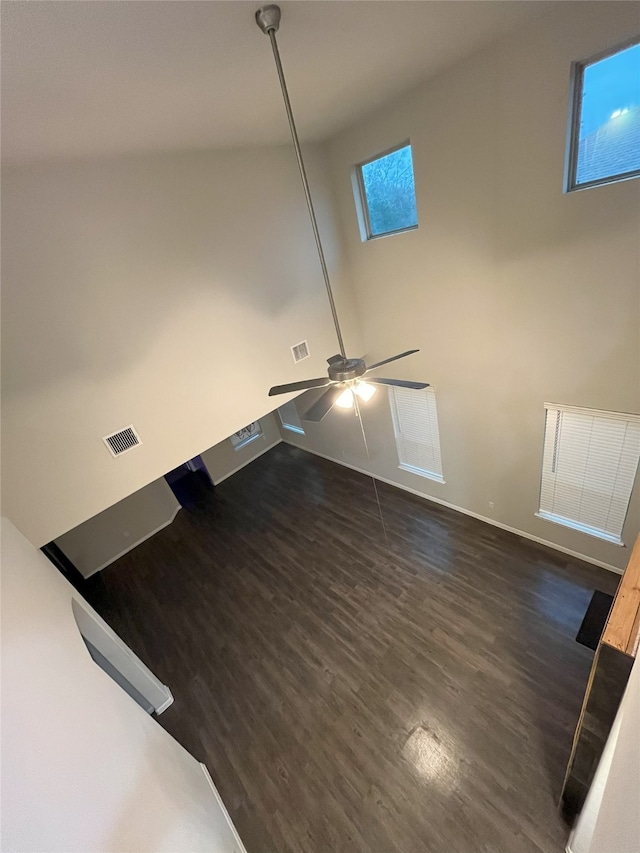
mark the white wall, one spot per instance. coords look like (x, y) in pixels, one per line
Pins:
(102, 539)
(515, 293)
(610, 818)
(83, 766)
(163, 291)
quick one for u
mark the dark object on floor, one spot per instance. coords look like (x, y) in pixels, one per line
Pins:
(594, 620)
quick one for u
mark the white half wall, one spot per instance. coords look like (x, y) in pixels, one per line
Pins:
(83, 766)
(515, 292)
(120, 659)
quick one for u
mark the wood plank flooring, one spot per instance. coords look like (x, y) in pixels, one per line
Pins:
(351, 695)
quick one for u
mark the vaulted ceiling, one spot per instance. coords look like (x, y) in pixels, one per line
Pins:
(87, 79)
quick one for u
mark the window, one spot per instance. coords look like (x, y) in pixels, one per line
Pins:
(385, 194)
(415, 423)
(289, 417)
(588, 468)
(246, 435)
(604, 137)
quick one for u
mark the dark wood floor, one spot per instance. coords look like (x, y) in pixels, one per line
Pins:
(353, 695)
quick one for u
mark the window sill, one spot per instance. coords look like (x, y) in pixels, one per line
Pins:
(370, 237)
(429, 475)
(602, 182)
(247, 441)
(581, 528)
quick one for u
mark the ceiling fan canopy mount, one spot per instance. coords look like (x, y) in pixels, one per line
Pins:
(268, 18)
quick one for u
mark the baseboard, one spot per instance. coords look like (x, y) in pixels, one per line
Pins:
(135, 544)
(600, 563)
(247, 462)
(234, 831)
(168, 701)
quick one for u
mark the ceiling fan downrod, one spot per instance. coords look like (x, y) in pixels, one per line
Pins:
(345, 379)
(268, 19)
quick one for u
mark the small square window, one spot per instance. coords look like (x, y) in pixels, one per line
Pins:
(386, 195)
(246, 435)
(604, 143)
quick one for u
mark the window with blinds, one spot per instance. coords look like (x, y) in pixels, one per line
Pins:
(289, 417)
(589, 465)
(415, 423)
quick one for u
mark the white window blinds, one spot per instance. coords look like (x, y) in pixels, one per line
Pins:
(589, 464)
(289, 417)
(415, 423)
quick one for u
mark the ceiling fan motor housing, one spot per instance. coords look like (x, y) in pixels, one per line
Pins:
(343, 371)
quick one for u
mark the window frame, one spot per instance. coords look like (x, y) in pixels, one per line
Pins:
(360, 195)
(572, 149)
(437, 477)
(247, 439)
(299, 430)
(572, 523)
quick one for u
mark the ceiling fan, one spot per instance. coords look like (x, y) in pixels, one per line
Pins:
(344, 375)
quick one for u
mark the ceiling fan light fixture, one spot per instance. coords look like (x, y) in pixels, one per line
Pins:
(345, 400)
(364, 390)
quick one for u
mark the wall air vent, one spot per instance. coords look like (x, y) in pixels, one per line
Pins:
(300, 351)
(123, 440)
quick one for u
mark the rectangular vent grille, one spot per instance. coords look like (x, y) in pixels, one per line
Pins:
(121, 441)
(300, 351)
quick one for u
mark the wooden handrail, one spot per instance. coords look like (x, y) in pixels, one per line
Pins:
(622, 630)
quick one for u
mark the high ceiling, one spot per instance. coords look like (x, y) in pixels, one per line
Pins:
(83, 79)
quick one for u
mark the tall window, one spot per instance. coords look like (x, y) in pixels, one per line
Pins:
(588, 467)
(385, 193)
(415, 424)
(289, 417)
(604, 144)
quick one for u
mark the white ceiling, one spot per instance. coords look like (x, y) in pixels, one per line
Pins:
(81, 79)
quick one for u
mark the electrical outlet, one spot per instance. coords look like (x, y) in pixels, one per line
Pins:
(491, 504)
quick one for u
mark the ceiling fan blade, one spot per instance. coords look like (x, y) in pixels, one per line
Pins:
(401, 383)
(393, 358)
(299, 386)
(324, 405)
